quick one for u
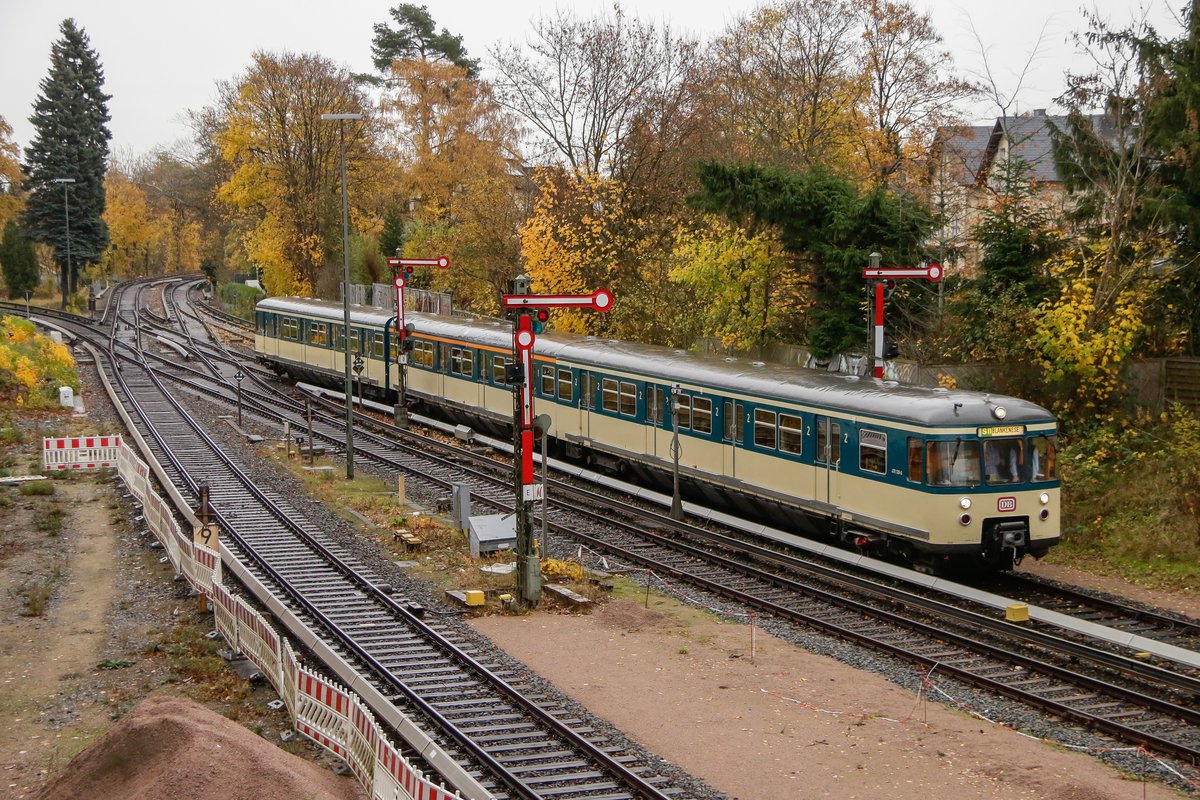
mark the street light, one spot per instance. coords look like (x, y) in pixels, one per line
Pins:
(341, 120)
(66, 184)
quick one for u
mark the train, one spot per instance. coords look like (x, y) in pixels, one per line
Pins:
(940, 479)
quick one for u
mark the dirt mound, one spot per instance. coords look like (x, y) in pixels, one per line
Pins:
(170, 747)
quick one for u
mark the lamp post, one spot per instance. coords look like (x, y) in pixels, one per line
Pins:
(341, 120)
(66, 184)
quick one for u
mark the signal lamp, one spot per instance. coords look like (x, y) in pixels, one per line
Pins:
(964, 519)
(1044, 514)
(540, 318)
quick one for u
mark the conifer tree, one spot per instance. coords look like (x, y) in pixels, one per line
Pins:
(18, 261)
(70, 141)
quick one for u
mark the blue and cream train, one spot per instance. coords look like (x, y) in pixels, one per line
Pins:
(924, 475)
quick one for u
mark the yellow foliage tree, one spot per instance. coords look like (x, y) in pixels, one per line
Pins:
(1084, 342)
(284, 166)
(735, 278)
(10, 175)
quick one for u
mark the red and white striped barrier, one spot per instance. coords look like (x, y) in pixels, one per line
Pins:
(331, 716)
(80, 452)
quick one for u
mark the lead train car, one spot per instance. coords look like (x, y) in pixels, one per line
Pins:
(924, 475)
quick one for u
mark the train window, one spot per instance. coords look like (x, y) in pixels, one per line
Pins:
(829, 441)
(872, 451)
(764, 429)
(547, 381)
(1043, 457)
(377, 345)
(394, 349)
(629, 399)
(588, 395)
(791, 434)
(702, 414)
(289, 329)
(444, 357)
(423, 354)
(683, 411)
(735, 421)
(608, 390)
(498, 363)
(1003, 460)
(915, 462)
(260, 322)
(354, 346)
(952, 463)
(338, 334)
(317, 333)
(565, 386)
(462, 362)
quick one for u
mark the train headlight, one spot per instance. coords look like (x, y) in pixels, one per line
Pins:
(999, 412)
(1043, 498)
(964, 503)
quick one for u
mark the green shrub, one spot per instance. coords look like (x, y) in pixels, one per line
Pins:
(38, 489)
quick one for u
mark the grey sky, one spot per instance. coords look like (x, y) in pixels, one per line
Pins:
(163, 58)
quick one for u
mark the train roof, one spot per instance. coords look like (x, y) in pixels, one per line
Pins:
(920, 405)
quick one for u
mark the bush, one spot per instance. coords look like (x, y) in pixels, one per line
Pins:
(32, 367)
(239, 299)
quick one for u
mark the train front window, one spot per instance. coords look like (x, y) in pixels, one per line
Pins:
(952, 463)
(1003, 460)
(1043, 458)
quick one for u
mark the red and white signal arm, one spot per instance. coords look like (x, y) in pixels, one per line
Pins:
(441, 262)
(930, 272)
(600, 300)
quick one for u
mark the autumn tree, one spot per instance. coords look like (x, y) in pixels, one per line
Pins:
(911, 88)
(784, 83)
(70, 141)
(283, 162)
(461, 177)
(586, 86)
(10, 175)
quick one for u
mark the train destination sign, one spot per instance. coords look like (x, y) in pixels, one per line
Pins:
(1001, 430)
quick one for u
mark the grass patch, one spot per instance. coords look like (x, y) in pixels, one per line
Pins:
(193, 664)
(37, 489)
(35, 596)
(50, 521)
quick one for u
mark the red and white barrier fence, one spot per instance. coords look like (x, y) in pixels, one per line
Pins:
(328, 714)
(80, 452)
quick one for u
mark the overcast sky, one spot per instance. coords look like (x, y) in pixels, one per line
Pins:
(162, 58)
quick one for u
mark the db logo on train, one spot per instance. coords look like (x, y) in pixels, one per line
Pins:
(1006, 504)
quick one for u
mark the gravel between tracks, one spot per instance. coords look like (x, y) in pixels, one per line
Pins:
(808, 716)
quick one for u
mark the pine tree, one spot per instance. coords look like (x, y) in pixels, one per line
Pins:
(391, 239)
(70, 142)
(18, 261)
(414, 37)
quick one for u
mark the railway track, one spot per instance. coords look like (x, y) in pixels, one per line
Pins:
(517, 742)
(1136, 702)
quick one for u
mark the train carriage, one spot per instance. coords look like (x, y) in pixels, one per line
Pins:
(923, 474)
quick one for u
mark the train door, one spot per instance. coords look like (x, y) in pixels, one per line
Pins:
(828, 460)
(733, 431)
(657, 418)
(587, 401)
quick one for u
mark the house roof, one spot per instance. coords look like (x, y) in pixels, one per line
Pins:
(962, 148)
